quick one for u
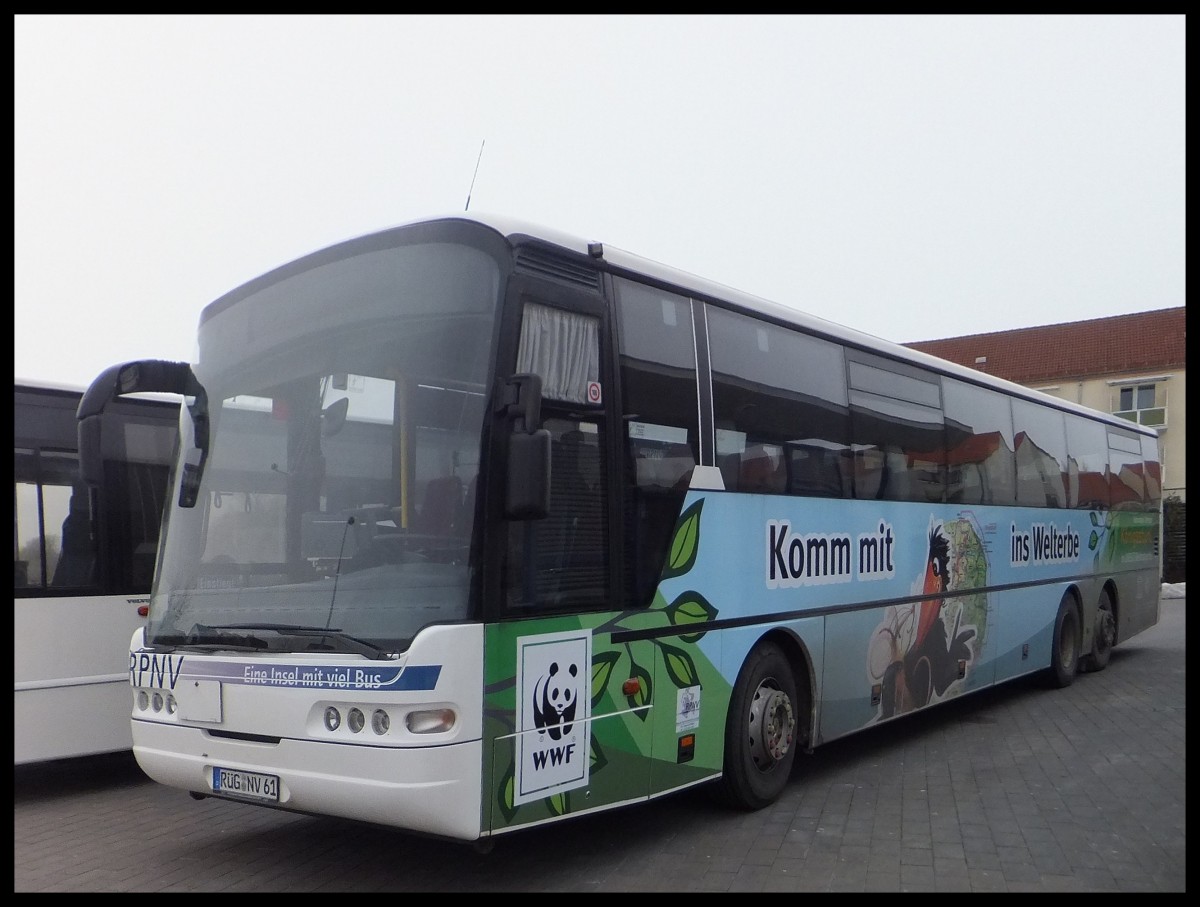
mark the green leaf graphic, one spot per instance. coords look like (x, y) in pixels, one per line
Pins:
(1095, 519)
(557, 804)
(685, 542)
(1093, 539)
(680, 667)
(603, 666)
(691, 608)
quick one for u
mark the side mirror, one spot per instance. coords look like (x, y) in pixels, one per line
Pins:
(91, 447)
(143, 376)
(527, 491)
(520, 399)
(152, 375)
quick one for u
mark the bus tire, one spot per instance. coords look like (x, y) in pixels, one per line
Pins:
(1064, 651)
(760, 731)
(1105, 636)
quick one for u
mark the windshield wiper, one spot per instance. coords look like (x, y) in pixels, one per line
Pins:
(353, 643)
(205, 637)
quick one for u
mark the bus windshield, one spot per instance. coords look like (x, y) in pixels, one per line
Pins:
(346, 400)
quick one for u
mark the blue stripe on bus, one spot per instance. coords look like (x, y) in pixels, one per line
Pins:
(314, 676)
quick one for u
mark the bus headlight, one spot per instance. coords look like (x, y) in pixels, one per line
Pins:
(380, 722)
(433, 721)
(333, 719)
(355, 720)
(143, 700)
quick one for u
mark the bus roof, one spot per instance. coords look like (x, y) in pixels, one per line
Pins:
(38, 384)
(57, 387)
(516, 230)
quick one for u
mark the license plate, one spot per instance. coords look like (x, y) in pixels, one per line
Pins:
(245, 784)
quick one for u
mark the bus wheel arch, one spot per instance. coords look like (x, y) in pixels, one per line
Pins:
(1066, 641)
(802, 671)
(769, 719)
(1104, 636)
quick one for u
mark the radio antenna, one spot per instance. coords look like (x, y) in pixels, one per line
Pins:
(476, 173)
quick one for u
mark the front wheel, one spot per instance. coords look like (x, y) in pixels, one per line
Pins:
(1106, 634)
(760, 733)
(1064, 653)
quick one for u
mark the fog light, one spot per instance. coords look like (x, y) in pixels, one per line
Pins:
(333, 719)
(433, 721)
(380, 722)
(172, 705)
(355, 720)
(143, 700)
(157, 701)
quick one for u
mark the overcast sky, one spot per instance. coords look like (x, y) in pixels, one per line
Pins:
(916, 177)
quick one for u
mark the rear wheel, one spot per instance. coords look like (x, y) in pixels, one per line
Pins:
(1064, 654)
(1106, 634)
(760, 733)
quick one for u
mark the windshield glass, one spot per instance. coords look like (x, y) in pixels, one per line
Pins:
(345, 398)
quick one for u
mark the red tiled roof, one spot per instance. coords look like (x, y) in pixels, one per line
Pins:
(1122, 344)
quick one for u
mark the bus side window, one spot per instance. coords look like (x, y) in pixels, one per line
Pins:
(64, 524)
(662, 469)
(779, 407)
(658, 387)
(1040, 445)
(763, 470)
(133, 506)
(77, 557)
(729, 446)
(27, 560)
(979, 445)
(815, 471)
(870, 464)
(896, 411)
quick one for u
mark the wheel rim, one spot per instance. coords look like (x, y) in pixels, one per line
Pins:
(772, 726)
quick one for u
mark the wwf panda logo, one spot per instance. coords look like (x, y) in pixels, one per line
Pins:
(554, 699)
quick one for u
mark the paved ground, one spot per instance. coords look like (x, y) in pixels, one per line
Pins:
(1016, 789)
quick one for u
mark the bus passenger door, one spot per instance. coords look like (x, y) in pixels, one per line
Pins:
(574, 745)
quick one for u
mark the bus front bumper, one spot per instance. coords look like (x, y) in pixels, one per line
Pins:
(431, 790)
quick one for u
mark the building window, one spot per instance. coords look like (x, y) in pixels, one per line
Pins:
(1145, 404)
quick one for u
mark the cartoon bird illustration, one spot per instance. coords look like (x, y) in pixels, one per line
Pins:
(930, 664)
(937, 580)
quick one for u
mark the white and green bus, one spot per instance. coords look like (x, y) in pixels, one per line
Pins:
(477, 526)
